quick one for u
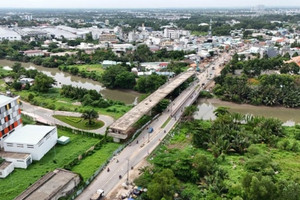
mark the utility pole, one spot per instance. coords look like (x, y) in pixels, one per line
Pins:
(127, 181)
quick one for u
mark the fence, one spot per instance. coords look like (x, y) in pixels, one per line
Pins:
(100, 169)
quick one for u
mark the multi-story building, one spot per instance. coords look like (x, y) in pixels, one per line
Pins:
(10, 116)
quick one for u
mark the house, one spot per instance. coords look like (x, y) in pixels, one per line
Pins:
(108, 63)
(20, 160)
(10, 116)
(24, 81)
(32, 53)
(34, 139)
(6, 168)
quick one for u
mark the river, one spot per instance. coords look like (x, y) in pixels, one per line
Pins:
(63, 78)
(288, 116)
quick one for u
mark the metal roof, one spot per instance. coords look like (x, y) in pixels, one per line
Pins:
(29, 134)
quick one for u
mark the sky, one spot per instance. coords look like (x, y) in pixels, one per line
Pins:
(143, 3)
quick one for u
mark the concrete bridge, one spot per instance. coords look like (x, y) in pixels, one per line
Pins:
(123, 127)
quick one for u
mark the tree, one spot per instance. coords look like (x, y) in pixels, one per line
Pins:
(162, 105)
(189, 112)
(125, 80)
(220, 111)
(163, 185)
(90, 115)
(17, 85)
(117, 77)
(295, 54)
(148, 84)
(17, 66)
(143, 53)
(42, 83)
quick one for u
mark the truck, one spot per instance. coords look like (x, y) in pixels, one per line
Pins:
(98, 195)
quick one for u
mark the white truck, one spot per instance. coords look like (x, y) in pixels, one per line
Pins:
(98, 195)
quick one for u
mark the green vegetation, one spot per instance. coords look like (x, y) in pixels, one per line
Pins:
(226, 159)
(117, 76)
(80, 123)
(252, 87)
(56, 101)
(92, 71)
(166, 122)
(148, 84)
(90, 164)
(27, 120)
(58, 157)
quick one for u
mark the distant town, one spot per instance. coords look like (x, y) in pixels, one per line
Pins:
(150, 104)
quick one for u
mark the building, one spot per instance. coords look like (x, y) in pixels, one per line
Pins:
(20, 160)
(34, 139)
(6, 168)
(108, 63)
(52, 186)
(10, 116)
(9, 34)
(108, 38)
(32, 53)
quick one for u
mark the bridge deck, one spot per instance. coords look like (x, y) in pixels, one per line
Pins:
(123, 124)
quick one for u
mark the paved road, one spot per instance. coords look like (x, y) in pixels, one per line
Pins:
(44, 115)
(145, 143)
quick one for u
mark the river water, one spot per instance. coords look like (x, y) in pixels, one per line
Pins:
(63, 78)
(288, 116)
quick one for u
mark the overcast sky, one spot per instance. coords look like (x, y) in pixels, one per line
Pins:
(142, 3)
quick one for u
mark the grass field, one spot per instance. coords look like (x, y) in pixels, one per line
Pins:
(80, 123)
(91, 163)
(54, 101)
(60, 155)
(96, 68)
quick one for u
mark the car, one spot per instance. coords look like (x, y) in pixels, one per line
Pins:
(98, 195)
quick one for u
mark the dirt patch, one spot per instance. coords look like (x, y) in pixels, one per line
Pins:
(119, 190)
(76, 103)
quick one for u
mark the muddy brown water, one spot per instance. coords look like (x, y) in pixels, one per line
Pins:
(63, 78)
(288, 116)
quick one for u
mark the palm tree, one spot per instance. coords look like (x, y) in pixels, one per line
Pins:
(221, 111)
(189, 112)
(90, 115)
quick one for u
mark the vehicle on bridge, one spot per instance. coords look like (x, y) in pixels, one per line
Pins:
(98, 195)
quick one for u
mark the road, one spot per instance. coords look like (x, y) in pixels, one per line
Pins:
(145, 143)
(45, 116)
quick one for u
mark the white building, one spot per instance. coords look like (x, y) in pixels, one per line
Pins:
(34, 139)
(20, 160)
(32, 53)
(6, 168)
(9, 34)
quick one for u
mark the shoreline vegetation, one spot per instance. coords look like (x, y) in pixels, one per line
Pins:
(224, 159)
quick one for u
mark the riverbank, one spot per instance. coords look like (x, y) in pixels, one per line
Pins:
(206, 160)
(64, 78)
(289, 116)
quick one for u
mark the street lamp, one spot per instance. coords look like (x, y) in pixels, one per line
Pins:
(127, 180)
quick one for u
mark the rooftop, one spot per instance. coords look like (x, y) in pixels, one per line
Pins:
(29, 134)
(13, 155)
(49, 185)
(5, 100)
(4, 165)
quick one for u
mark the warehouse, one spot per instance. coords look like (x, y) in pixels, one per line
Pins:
(34, 139)
(9, 34)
